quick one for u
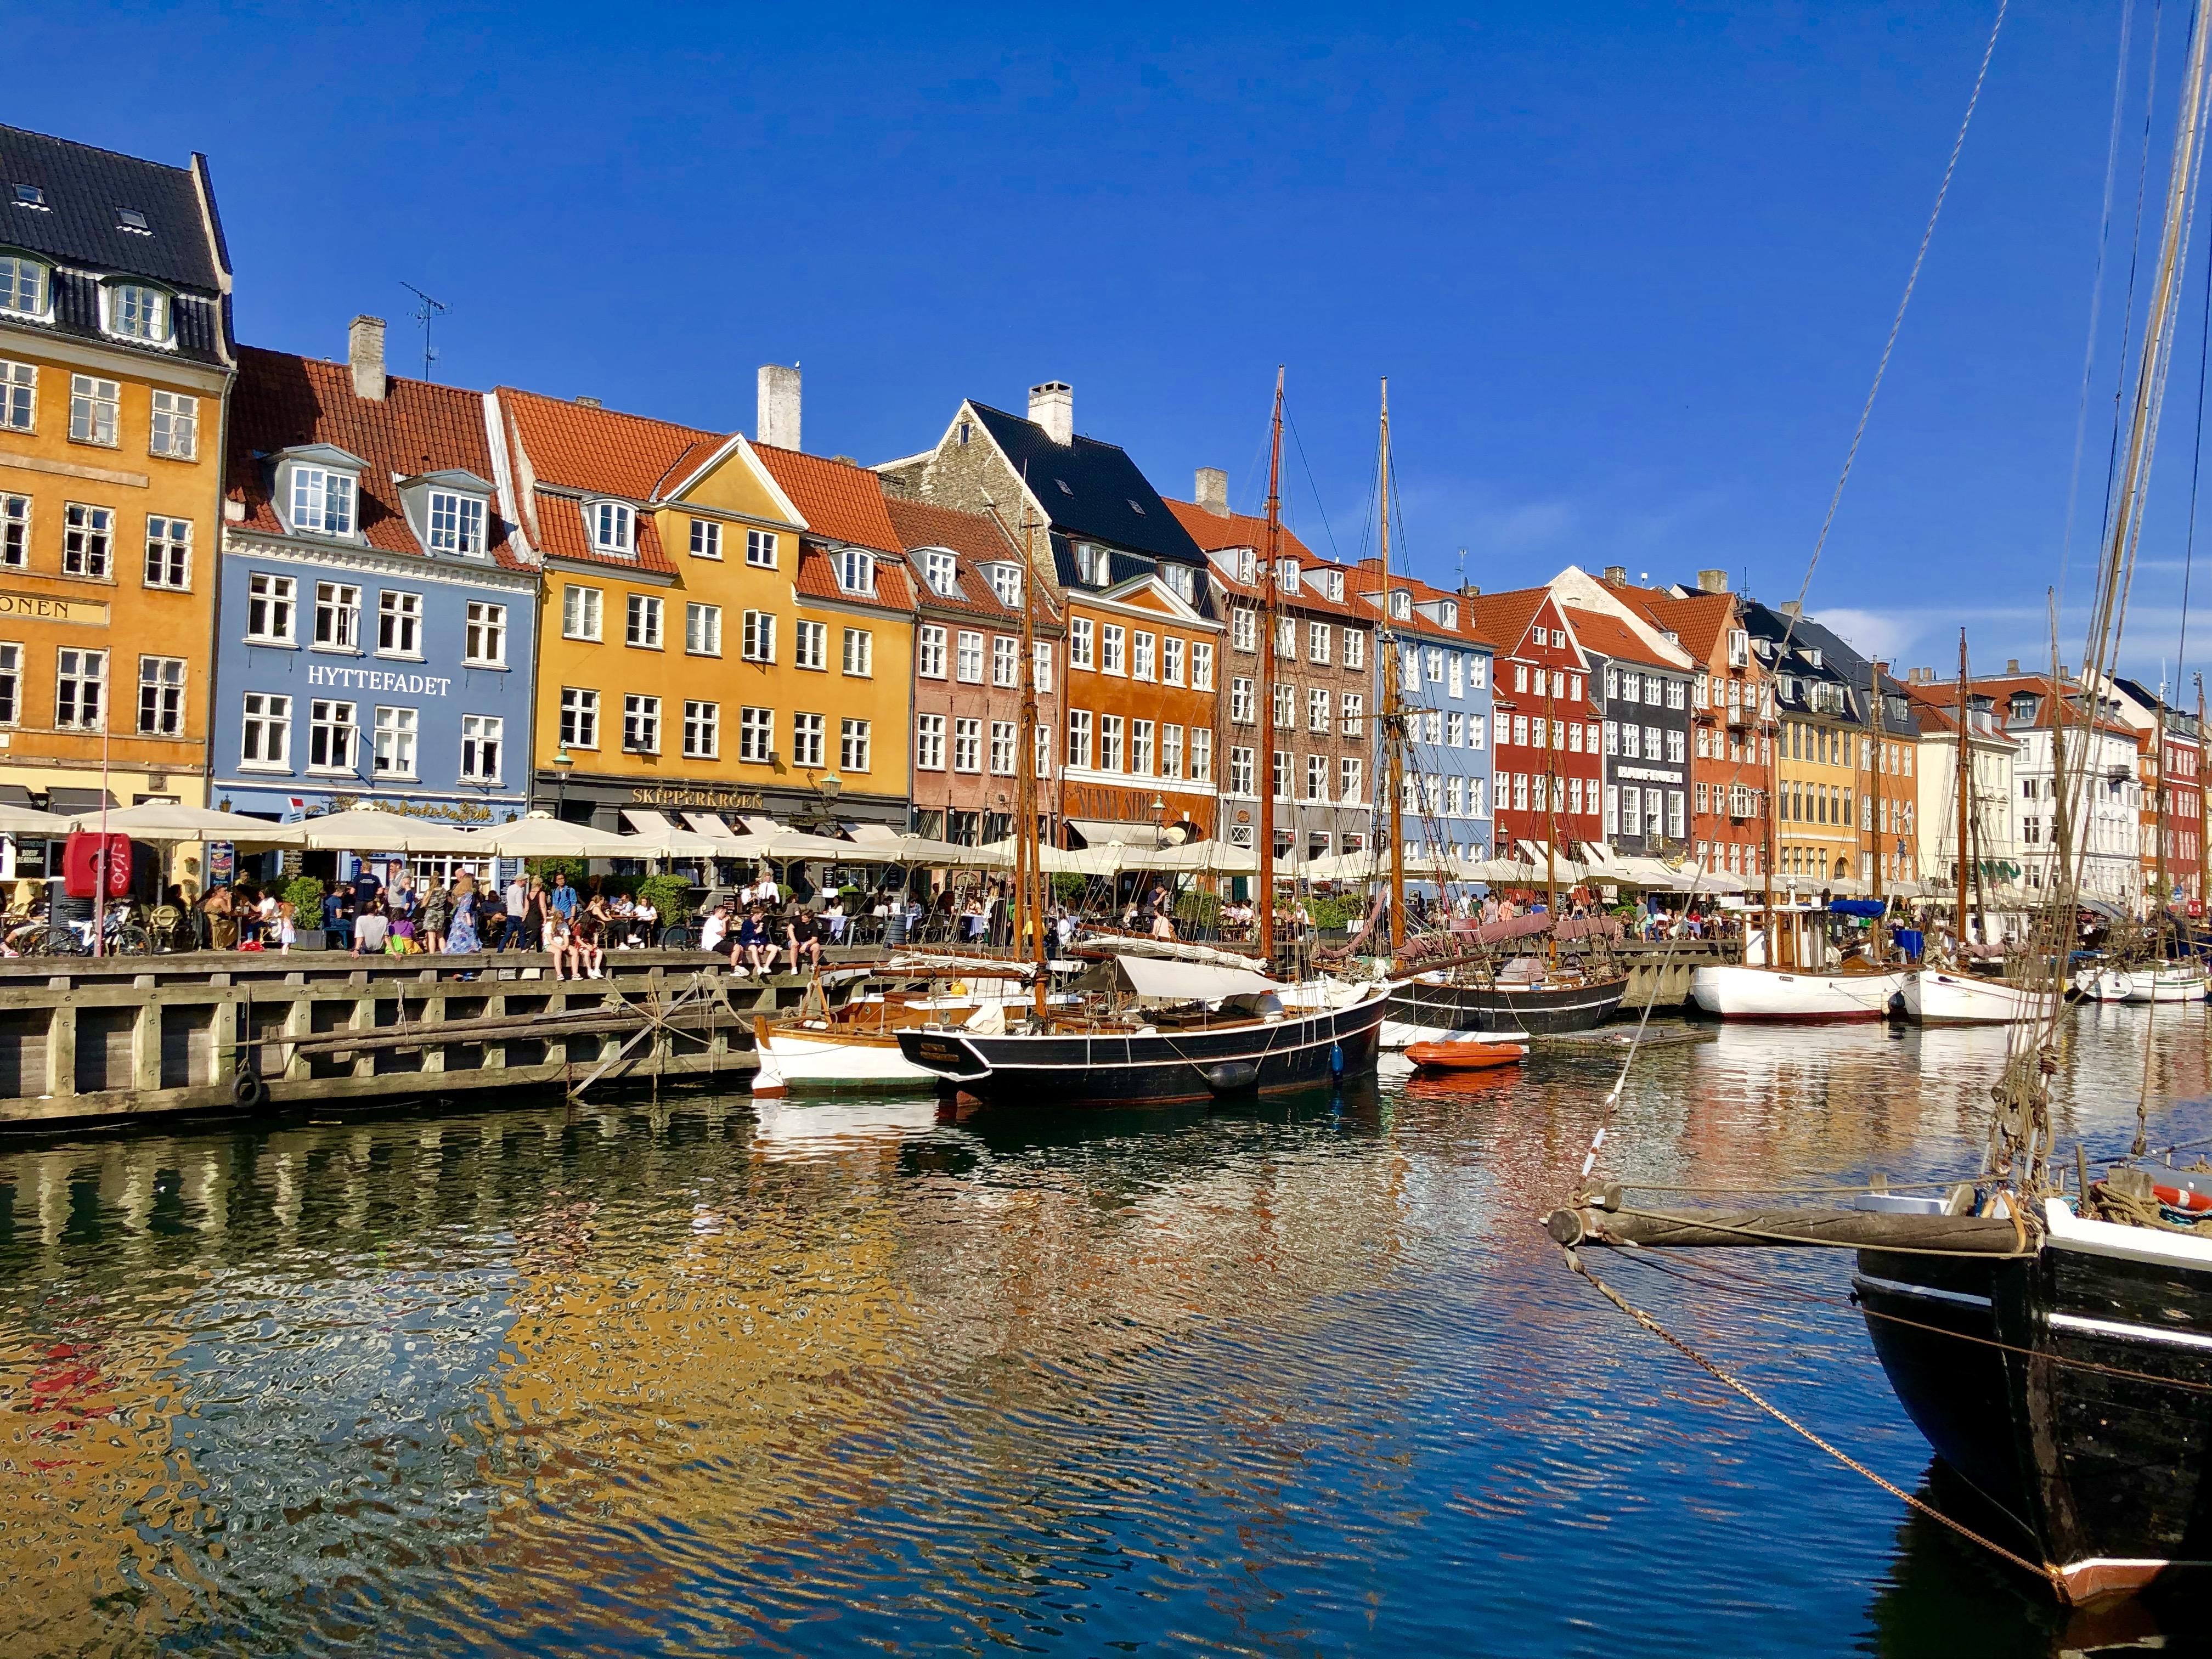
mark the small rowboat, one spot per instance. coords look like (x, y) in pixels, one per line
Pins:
(1465, 1056)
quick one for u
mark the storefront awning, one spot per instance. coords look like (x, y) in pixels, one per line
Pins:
(78, 801)
(713, 825)
(758, 824)
(14, 794)
(877, 833)
(1097, 832)
(645, 821)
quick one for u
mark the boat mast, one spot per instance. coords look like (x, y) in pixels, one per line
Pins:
(1965, 763)
(1266, 848)
(1394, 707)
(2164, 889)
(1552, 817)
(1773, 821)
(1874, 816)
(1028, 856)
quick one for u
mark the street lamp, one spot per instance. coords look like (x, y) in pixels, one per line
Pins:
(1159, 813)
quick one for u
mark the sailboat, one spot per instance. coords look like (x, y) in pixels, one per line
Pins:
(1477, 988)
(1154, 1023)
(2054, 1346)
(1953, 994)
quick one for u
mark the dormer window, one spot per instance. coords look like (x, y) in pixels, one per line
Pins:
(1246, 565)
(1334, 581)
(1092, 564)
(457, 523)
(135, 311)
(1402, 605)
(322, 502)
(856, 570)
(1448, 614)
(1812, 654)
(23, 285)
(936, 571)
(1183, 580)
(614, 528)
(1290, 575)
(1739, 649)
(1007, 583)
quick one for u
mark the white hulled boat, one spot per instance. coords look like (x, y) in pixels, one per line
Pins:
(2147, 981)
(1938, 996)
(1757, 988)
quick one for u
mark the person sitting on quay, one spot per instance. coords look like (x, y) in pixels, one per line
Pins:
(834, 919)
(493, 922)
(372, 930)
(217, 909)
(716, 928)
(338, 916)
(525, 915)
(755, 950)
(560, 938)
(802, 936)
(645, 922)
(588, 936)
(562, 897)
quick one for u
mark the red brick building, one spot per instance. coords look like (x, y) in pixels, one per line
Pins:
(1546, 732)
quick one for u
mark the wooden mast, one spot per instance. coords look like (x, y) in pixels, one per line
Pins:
(1874, 817)
(1773, 934)
(1552, 817)
(1394, 707)
(1029, 855)
(1267, 580)
(2165, 887)
(1965, 770)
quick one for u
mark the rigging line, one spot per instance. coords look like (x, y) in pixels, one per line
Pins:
(1788, 1421)
(1299, 444)
(2097, 295)
(1981, 75)
(2134, 263)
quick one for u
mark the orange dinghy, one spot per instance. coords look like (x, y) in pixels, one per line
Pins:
(1465, 1056)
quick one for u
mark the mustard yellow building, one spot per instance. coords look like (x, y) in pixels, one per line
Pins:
(725, 630)
(115, 365)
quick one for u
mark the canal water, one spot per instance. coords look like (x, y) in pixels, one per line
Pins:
(703, 1377)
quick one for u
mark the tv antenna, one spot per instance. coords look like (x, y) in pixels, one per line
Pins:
(423, 314)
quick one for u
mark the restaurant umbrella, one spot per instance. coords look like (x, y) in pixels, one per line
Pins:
(169, 821)
(541, 836)
(366, 827)
(31, 824)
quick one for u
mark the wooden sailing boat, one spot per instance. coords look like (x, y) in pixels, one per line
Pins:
(1153, 1022)
(1472, 992)
(2055, 1347)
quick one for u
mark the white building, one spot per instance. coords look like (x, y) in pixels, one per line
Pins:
(2106, 826)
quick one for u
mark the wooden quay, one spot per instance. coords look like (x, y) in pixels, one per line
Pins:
(238, 1032)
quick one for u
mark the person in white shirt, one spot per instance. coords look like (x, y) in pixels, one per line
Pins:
(716, 928)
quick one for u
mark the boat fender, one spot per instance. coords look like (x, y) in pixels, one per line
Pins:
(248, 1089)
(1231, 1076)
(1336, 1059)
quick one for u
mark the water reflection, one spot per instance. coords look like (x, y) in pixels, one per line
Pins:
(1304, 1375)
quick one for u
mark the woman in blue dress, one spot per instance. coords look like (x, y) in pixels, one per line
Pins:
(461, 922)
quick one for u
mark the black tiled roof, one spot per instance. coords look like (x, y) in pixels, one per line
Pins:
(1121, 568)
(79, 223)
(1091, 489)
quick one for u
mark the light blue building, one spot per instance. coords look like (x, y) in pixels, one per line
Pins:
(1443, 665)
(376, 636)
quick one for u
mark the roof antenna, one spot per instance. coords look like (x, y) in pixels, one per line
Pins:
(423, 314)
(1461, 584)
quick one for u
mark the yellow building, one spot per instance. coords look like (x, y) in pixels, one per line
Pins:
(115, 365)
(704, 647)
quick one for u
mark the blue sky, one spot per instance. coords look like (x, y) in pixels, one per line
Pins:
(1628, 267)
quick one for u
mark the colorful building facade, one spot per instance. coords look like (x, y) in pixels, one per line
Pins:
(115, 363)
(1547, 724)
(379, 620)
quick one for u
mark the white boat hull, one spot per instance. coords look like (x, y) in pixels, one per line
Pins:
(830, 1062)
(1933, 997)
(1742, 993)
(2170, 984)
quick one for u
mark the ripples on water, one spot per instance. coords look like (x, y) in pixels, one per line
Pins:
(851, 1377)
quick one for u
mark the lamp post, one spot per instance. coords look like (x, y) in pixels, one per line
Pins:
(1159, 816)
(562, 762)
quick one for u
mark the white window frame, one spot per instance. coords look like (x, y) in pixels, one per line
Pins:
(340, 604)
(1201, 664)
(1006, 584)
(1080, 724)
(929, 643)
(642, 620)
(88, 541)
(1005, 659)
(761, 548)
(579, 717)
(1043, 664)
(703, 729)
(138, 312)
(483, 745)
(929, 743)
(583, 612)
(810, 645)
(167, 678)
(455, 524)
(967, 744)
(1002, 748)
(705, 540)
(1355, 648)
(397, 744)
(1113, 641)
(968, 657)
(173, 432)
(272, 597)
(807, 737)
(938, 569)
(168, 553)
(15, 266)
(610, 527)
(640, 723)
(334, 728)
(1202, 755)
(856, 570)
(859, 655)
(1080, 639)
(321, 500)
(853, 738)
(264, 733)
(399, 625)
(756, 734)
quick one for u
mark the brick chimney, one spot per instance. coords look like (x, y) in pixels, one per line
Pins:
(1052, 406)
(776, 420)
(1616, 575)
(2012, 665)
(1211, 490)
(1792, 610)
(1712, 581)
(365, 356)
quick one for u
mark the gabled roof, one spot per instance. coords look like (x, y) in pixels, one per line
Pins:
(2001, 688)
(1935, 710)
(1507, 617)
(1365, 580)
(603, 451)
(1212, 530)
(815, 578)
(1697, 619)
(283, 402)
(974, 539)
(1612, 639)
(1088, 488)
(837, 501)
(79, 222)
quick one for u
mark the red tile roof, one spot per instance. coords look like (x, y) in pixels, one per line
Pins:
(838, 501)
(1507, 617)
(1215, 531)
(1937, 708)
(283, 402)
(561, 535)
(975, 538)
(1611, 637)
(603, 451)
(1366, 577)
(816, 580)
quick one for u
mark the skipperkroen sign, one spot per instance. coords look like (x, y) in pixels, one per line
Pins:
(378, 679)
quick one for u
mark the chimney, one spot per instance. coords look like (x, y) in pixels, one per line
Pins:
(1792, 610)
(365, 353)
(2012, 665)
(776, 421)
(1616, 575)
(1469, 591)
(1211, 488)
(588, 403)
(1712, 581)
(1052, 406)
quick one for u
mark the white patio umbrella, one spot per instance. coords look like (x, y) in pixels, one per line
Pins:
(1059, 861)
(1214, 858)
(33, 824)
(541, 836)
(937, 854)
(363, 828)
(166, 822)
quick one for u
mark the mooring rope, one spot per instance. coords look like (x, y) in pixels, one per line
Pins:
(2048, 1573)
